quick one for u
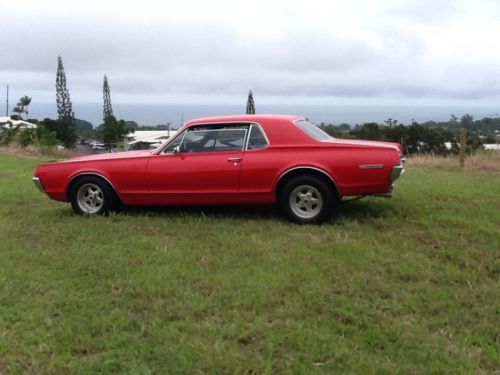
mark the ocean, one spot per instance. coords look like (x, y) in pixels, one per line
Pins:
(154, 114)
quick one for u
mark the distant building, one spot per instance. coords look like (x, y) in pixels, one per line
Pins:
(487, 146)
(7, 122)
(492, 146)
(148, 139)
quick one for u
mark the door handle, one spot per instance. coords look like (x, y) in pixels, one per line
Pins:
(235, 161)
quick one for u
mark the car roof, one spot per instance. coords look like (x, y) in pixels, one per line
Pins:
(242, 118)
(279, 129)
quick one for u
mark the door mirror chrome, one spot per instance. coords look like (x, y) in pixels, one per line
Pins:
(177, 150)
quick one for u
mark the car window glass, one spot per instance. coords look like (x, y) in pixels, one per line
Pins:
(312, 130)
(257, 139)
(176, 142)
(213, 140)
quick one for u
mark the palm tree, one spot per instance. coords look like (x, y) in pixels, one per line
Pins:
(22, 106)
(18, 110)
(24, 102)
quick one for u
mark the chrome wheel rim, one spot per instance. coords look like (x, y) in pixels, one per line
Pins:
(306, 201)
(90, 198)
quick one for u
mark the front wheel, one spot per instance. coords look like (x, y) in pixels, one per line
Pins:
(92, 196)
(307, 200)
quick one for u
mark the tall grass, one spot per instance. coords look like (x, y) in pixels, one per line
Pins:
(488, 161)
(38, 151)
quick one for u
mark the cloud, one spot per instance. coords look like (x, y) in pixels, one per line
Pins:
(400, 49)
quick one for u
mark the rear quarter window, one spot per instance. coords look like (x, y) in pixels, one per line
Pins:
(256, 140)
(312, 130)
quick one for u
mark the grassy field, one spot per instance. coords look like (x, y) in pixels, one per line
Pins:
(407, 285)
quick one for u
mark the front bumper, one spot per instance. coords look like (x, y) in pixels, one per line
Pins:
(38, 183)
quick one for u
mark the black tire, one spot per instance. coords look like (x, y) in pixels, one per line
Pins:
(91, 195)
(307, 200)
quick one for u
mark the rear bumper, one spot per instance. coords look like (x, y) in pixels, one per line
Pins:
(397, 171)
(38, 183)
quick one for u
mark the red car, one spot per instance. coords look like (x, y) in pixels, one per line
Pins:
(254, 159)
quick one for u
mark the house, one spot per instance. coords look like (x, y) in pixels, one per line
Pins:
(147, 139)
(8, 123)
(492, 146)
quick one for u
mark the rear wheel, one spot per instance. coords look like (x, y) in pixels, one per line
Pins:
(92, 195)
(307, 200)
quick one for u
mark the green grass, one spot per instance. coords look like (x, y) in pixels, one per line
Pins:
(407, 285)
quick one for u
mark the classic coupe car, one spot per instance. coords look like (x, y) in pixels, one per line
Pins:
(231, 160)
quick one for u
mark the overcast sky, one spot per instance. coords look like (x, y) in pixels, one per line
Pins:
(303, 51)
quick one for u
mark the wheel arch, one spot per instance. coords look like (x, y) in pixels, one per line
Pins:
(78, 176)
(305, 170)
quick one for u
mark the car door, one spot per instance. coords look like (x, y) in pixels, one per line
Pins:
(201, 166)
(259, 167)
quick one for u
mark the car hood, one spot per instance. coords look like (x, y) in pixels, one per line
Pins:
(110, 156)
(358, 143)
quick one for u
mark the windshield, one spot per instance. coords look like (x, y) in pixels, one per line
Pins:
(313, 130)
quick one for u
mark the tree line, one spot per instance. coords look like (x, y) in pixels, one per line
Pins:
(438, 138)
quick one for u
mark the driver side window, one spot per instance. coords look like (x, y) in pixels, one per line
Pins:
(177, 141)
(213, 139)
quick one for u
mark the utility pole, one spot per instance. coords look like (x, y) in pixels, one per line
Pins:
(7, 107)
(463, 146)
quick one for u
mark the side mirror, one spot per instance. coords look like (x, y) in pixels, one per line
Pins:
(177, 150)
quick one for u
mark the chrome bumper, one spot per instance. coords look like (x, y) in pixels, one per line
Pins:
(38, 184)
(397, 171)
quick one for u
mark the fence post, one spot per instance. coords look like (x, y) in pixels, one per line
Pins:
(463, 146)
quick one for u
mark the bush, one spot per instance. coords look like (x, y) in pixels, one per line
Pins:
(8, 133)
(40, 136)
(46, 137)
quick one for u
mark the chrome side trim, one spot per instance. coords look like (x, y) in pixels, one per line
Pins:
(371, 166)
(185, 129)
(250, 132)
(313, 168)
(38, 183)
(306, 167)
(215, 130)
